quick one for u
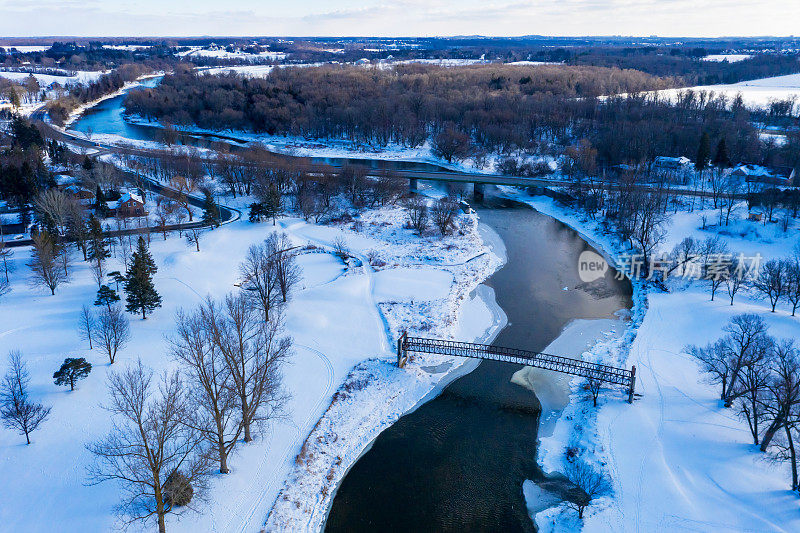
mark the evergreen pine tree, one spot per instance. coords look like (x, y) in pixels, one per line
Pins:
(703, 152)
(71, 371)
(98, 250)
(210, 210)
(100, 206)
(721, 158)
(272, 203)
(106, 296)
(256, 212)
(117, 277)
(139, 288)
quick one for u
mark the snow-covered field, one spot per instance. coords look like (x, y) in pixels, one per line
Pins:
(676, 458)
(730, 58)
(340, 318)
(238, 54)
(756, 93)
(46, 80)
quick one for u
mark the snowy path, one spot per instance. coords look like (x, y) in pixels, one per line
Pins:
(678, 460)
(258, 486)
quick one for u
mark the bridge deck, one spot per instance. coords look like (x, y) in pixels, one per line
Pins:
(605, 373)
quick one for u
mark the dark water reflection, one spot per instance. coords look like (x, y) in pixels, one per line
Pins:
(458, 462)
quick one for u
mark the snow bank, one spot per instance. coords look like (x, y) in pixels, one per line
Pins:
(677, 459)
(340, 325)
(376, 393)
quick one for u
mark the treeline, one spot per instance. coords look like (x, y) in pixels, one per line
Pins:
(500, 106)
(691, 70)
(466, 111)
(87, 56)
(23, 172)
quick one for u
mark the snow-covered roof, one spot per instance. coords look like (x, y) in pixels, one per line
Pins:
(759, 171)
(130, 196)
(676, 160)
(65, 179)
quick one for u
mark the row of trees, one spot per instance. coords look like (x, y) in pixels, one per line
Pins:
(60, 108)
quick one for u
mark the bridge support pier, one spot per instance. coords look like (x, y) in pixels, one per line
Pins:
(402, 353)
(477, 192)
(633, 384)
(412, 185)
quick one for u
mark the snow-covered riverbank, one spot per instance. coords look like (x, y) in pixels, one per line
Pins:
(343, 321)
(676, 459)
(376, 393)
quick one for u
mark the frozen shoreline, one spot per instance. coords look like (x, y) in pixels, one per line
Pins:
(676, 459)
(335, 444)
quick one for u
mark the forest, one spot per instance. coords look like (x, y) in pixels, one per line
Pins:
(464, 111)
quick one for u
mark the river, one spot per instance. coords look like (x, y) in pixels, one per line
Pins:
(107, 117)
(458, 462)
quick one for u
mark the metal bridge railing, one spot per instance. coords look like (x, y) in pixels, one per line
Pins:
(556, 363)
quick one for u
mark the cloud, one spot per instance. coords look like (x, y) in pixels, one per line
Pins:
(399, 17)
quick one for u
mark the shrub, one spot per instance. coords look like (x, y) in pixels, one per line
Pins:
(178, 490)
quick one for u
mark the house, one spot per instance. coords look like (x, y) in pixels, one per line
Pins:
(129, 204)
(62, 180)
(83, 196)
(665, 163)
(768, 175)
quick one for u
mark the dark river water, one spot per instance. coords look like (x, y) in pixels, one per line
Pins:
(458, 462)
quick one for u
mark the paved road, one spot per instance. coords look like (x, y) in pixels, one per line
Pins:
(227, 214)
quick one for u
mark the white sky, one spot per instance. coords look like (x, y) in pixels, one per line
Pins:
(399, 17)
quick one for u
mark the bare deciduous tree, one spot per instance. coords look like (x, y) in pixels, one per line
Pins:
(648, 224)
(752, 393)
(53, 205)
(47, 268)
(112, 331)
(771, 281)
(150, 445)
(443, 214)
(288, 272)
(86, 324)
(193, 237)
(594, 386)
(196, 345)
(590, 481)
(259, 272)
(16, 409)
(746, 342)
(254, 352)
(737, 278)
(6, 254)
(418, 216)
(783, 391)
(793, 283)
